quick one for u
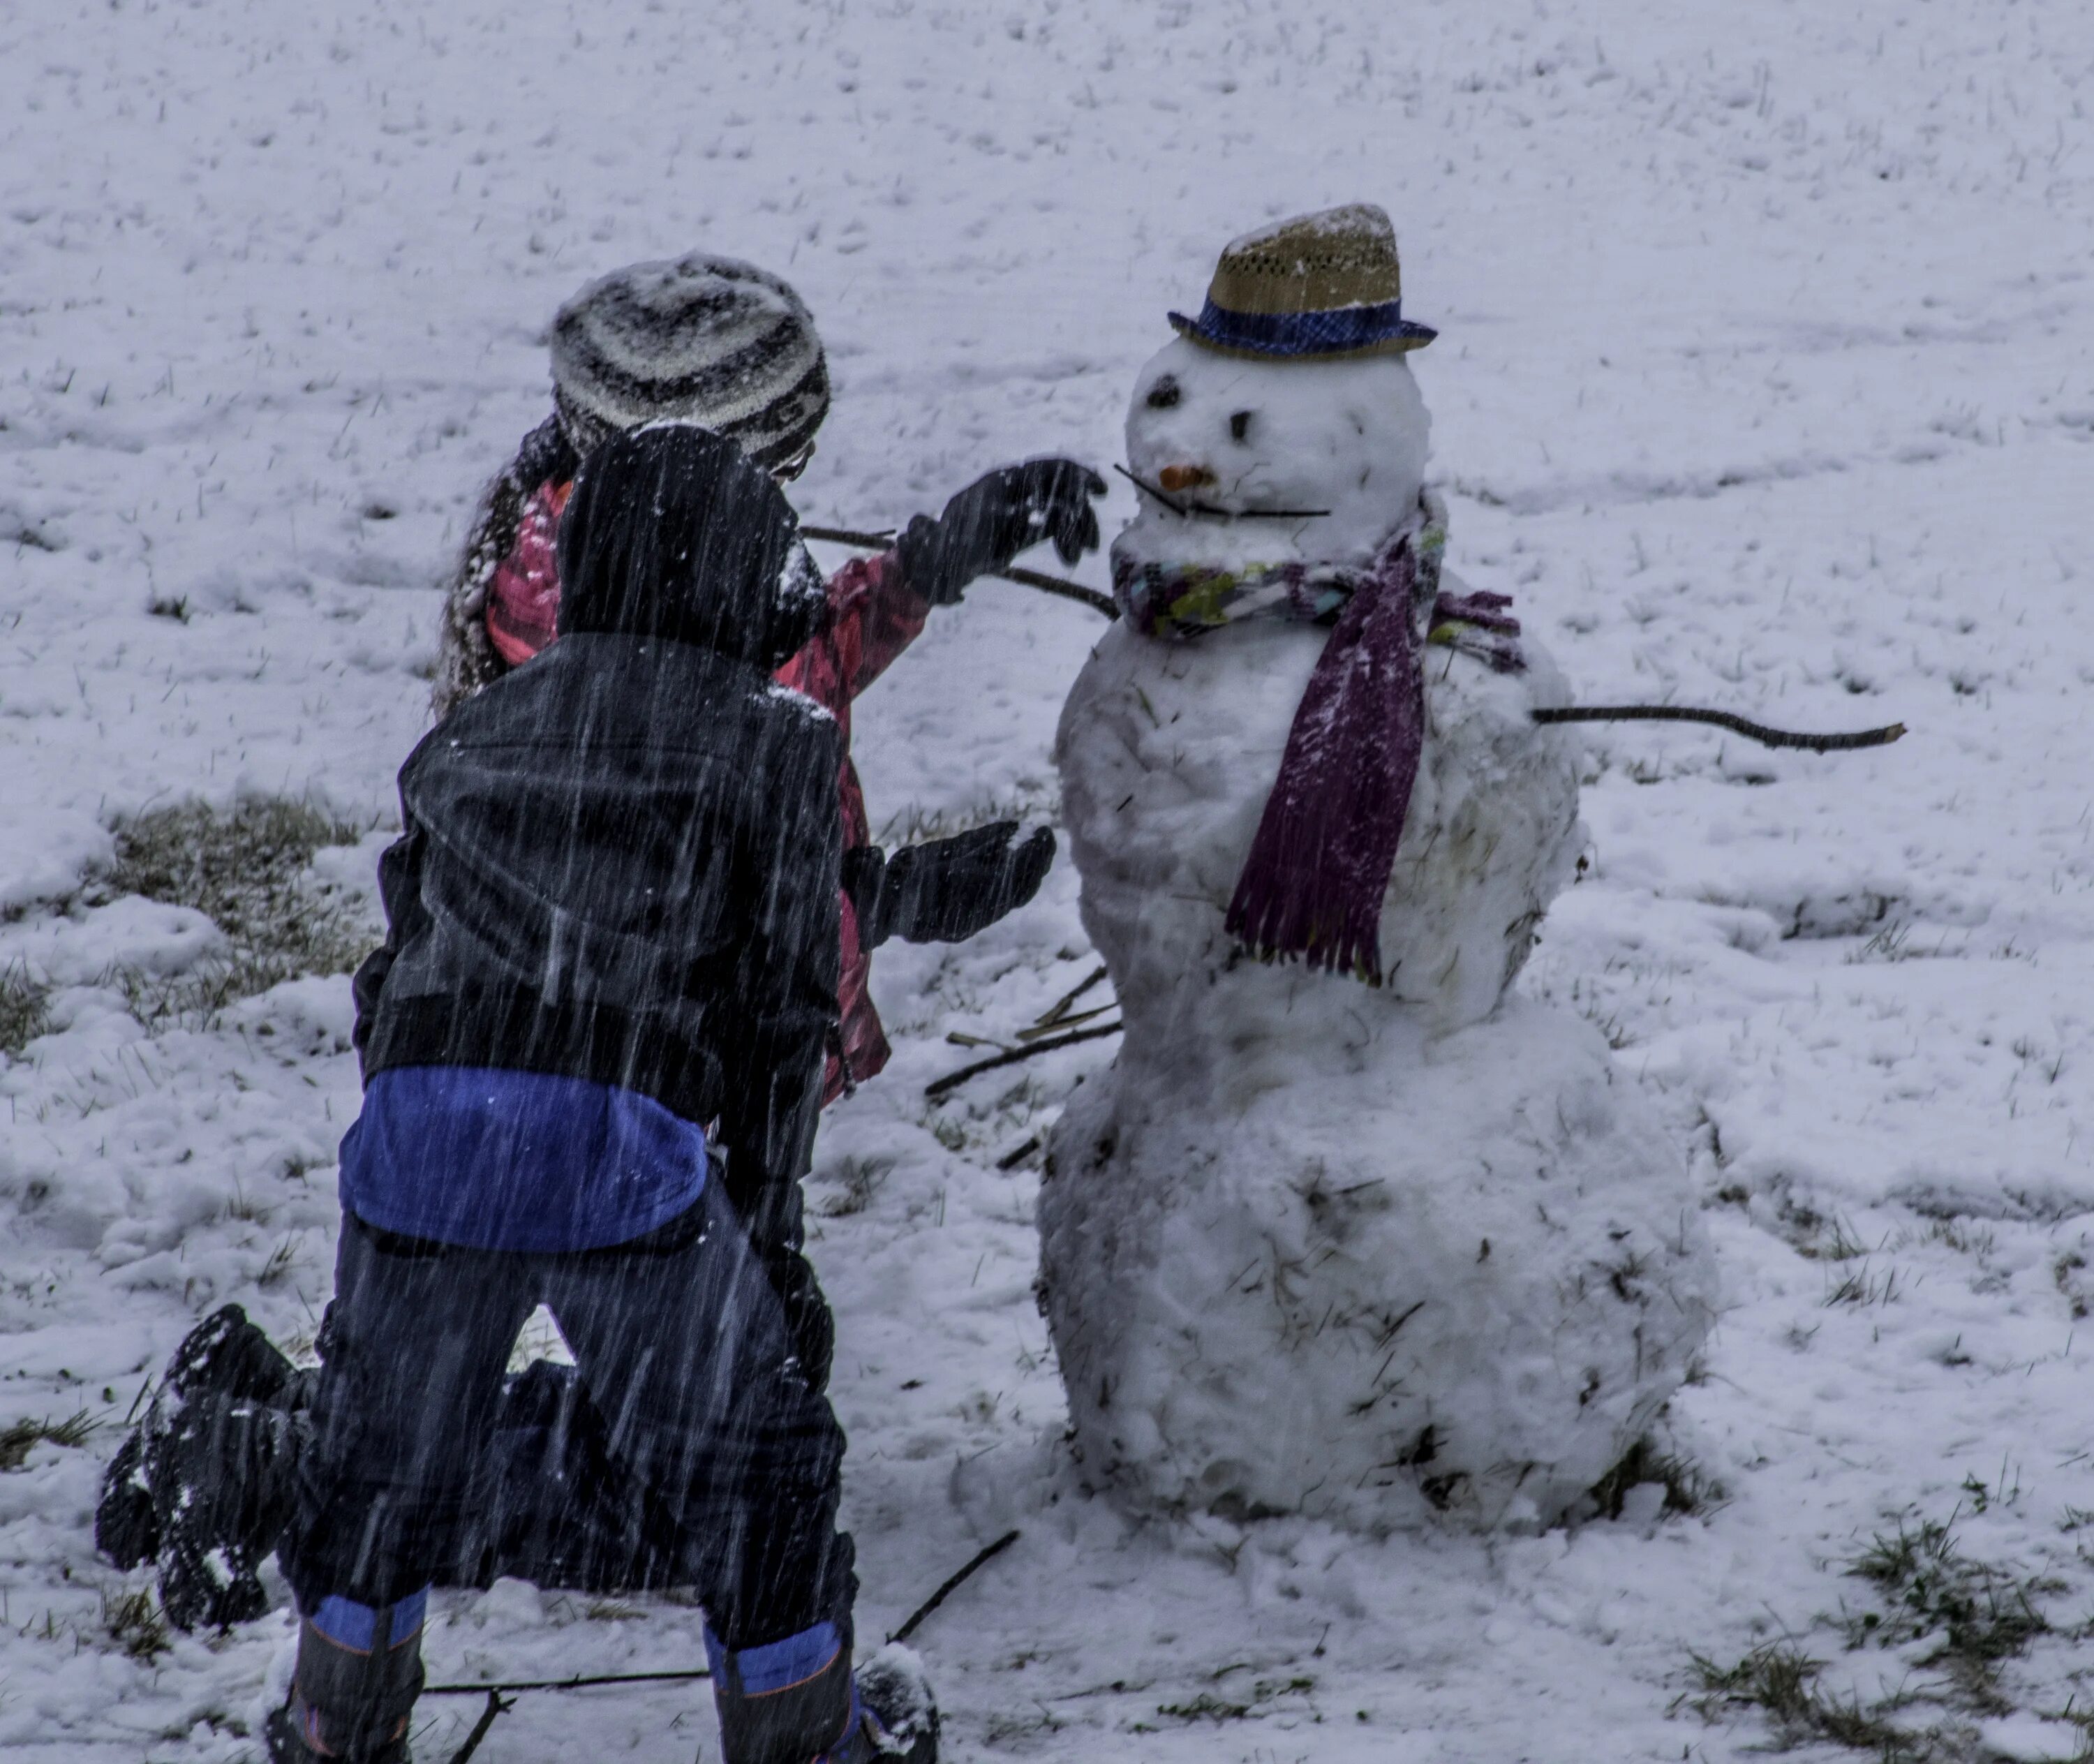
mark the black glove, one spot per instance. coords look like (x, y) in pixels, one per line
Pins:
(996, 517)
(947, 889)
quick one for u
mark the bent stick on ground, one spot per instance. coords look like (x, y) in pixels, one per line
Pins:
(987, 1553)
(566, 1685)
(939, 1087)
(496, 1703)
(495, 1706)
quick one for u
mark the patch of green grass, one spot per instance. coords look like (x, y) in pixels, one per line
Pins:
(244, 867)
(1892, 942)
(235, 865)
(1863, 1287)
(1983, 1615)
(851, 1184)
(133, 1622)
(947, 1131)
(1780, 1680)
(1688, 1488)
(1837, 1243)
(24, 1008)
(1978, 1615)
(16, 1441)
(280, 1261)
(1961, 1236)
(1207, 1706)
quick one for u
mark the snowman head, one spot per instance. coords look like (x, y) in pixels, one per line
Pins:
(1238, 437)
(1290, 393)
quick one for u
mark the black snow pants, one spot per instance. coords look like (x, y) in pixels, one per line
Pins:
(686, 1352)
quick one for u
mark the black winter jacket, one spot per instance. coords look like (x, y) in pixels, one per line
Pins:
(619, 862)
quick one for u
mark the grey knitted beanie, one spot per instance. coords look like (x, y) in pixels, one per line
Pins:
(706, 340)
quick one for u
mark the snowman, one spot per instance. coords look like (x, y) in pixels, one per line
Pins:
(1350, 1230)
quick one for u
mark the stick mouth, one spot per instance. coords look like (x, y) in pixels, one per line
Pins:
(1186, 510)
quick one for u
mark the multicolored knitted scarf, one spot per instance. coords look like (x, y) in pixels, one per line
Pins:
(1313, 885)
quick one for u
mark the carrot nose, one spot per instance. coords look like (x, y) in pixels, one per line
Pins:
(1184, 477)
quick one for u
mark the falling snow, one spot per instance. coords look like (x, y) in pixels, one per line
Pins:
(1762, 382)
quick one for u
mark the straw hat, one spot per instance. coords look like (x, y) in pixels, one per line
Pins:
(1322, 285)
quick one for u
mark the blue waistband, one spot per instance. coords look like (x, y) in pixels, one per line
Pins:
(492, 1158)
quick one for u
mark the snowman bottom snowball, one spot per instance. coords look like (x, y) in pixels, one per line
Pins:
(1453, 1284)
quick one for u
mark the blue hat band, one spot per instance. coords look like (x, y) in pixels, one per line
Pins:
(1333, 332)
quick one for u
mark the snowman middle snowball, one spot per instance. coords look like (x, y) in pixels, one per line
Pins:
(1363, 1253)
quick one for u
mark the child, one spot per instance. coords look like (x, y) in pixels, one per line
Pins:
(719, 342)
(593, 1047)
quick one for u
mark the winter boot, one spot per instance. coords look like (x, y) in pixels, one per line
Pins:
(355, 1688)
(205, 1483)
(897, 1717)
(226, 1354)
(126, 1530)
(796, 1701)
(222, 1472)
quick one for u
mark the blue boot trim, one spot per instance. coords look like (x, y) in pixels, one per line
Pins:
(348, 1624)
(786, 1701)
(776, 1666)
(358, 1672)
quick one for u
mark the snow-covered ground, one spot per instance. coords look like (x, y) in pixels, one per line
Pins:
(1764, 381)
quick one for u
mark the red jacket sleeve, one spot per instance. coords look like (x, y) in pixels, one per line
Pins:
(876, 616)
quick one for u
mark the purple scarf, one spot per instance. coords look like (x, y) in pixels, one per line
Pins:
(1313, 885)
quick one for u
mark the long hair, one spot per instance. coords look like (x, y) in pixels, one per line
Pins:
(467, 659)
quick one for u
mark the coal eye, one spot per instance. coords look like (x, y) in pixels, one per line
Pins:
(1163, 394)
(1240, 424)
